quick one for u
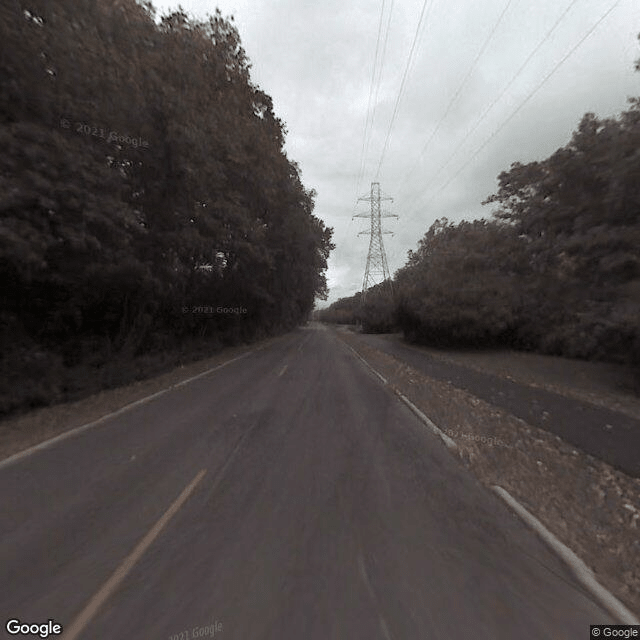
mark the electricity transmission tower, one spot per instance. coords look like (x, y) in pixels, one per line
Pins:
(376, 259)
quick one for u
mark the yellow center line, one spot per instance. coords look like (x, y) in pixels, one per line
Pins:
(129, 562)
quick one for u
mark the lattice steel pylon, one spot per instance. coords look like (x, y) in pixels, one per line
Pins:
(376, 258)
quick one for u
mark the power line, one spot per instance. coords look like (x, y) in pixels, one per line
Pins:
(458, 91)
(378, 83)
(504, 91)
(384, 51)
(402, 84)
(373, 78)
(529, 96)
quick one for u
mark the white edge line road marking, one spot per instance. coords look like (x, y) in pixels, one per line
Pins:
(445, 438)
(91, 608)
(366, 364)
(283, 370)
(581, 571)
(74, 432)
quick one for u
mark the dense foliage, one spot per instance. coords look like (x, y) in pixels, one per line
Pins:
(375, 315)
(461, 284)
(145, 195)
(578, 213)
(343, 311)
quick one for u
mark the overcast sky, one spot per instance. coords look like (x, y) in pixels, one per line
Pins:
(316, 59)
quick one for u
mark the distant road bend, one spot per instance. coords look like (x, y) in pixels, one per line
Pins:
(288, 495)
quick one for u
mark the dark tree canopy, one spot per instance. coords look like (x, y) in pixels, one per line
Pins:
(142, 174)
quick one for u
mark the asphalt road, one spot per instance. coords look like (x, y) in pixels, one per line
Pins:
(611, 436)
(285, 496)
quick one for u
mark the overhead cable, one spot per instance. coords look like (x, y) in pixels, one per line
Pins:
(459, 90)
(530, 95)
(378, 83)
(402, 85)
(504, 91)
(366, 123)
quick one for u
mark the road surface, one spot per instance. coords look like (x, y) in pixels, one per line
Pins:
(286, 496)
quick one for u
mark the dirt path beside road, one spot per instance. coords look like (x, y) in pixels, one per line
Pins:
(614, 386)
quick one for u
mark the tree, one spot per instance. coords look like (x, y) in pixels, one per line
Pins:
(103, 239)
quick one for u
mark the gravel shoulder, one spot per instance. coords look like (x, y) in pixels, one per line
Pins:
(591, 507)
